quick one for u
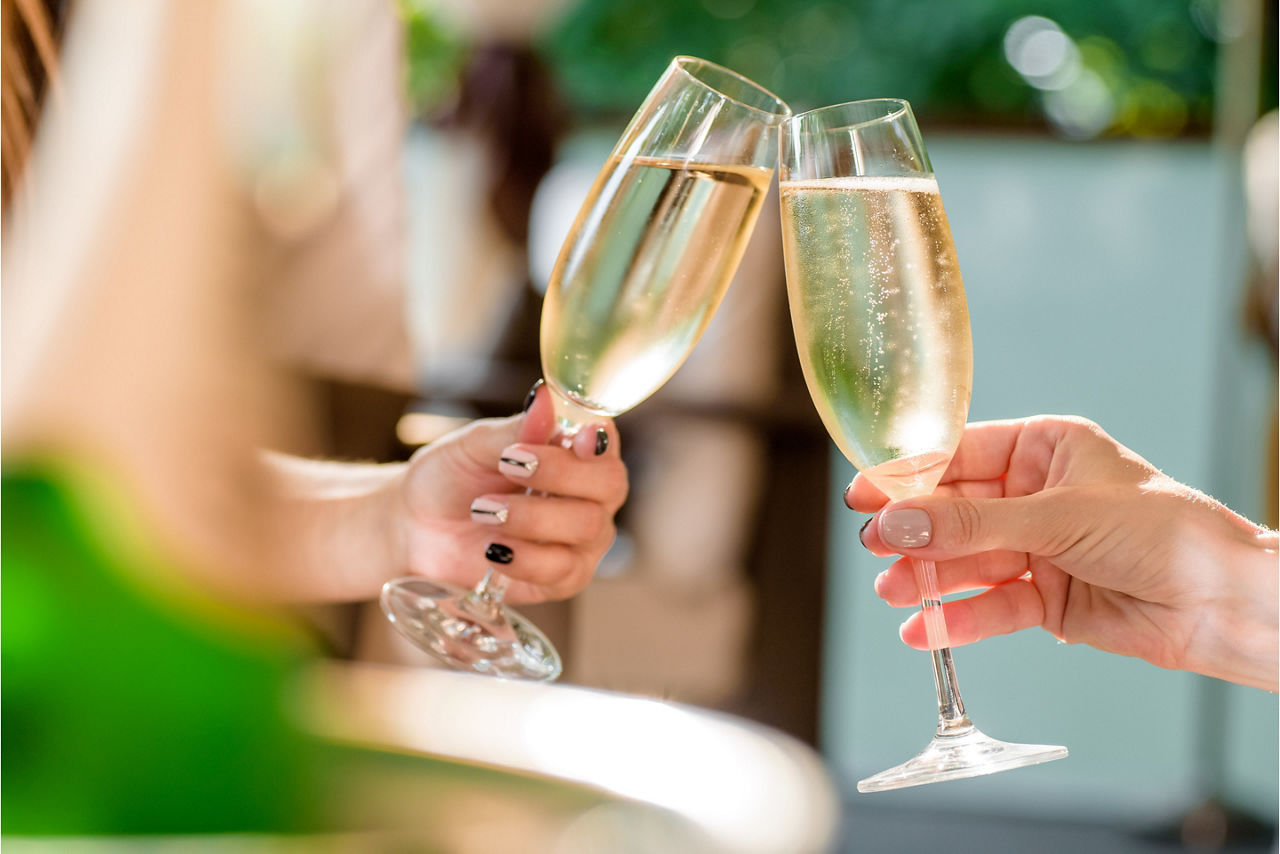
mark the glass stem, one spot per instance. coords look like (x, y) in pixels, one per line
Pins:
(493, 587)
(952, 719)
(486, 599)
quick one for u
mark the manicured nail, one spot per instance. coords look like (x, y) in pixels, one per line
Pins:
(602, 441)
(906, 529)
(533, 393)
(486, 511)
(517, 462)
(863, 530)
(879, 582)
(847, 490)
(498, 553)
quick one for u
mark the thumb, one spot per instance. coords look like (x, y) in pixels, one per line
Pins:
(538, 422)
(937, 528)
(482, 442)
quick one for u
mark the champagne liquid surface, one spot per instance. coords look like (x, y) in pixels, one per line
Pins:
(641, 274)
(878, 307)
(903, 477)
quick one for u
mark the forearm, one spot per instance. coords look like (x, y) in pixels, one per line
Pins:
(1240, 641)
(334, 528)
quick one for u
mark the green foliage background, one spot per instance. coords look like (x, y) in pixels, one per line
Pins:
(1157, 58)
(946, 58)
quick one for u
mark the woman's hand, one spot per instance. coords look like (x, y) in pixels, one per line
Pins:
(1063, 527)
(462, 506)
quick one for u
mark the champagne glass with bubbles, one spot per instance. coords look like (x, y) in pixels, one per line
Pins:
(882, 330)
(640, 274)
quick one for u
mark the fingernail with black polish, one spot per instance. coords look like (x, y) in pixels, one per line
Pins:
(602, 441)
(533, 393)
(499, 553)
(863, 529)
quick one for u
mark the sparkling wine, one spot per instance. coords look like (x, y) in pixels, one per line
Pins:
(916, 474)
(643, 269)
(881, 324)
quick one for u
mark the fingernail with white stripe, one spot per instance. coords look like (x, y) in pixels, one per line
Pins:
(517, 462)
(486, 511)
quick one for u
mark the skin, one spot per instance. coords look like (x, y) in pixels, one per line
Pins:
(352, 528)
(136, 344)
(1062, 527)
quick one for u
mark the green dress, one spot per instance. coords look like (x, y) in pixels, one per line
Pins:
(130, 704)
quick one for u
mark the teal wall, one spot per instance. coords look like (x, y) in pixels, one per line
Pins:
(1103, 280)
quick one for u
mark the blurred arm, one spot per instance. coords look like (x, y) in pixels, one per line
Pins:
(337, 528)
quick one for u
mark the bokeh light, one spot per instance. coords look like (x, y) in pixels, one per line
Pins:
(1084, 108)
(988, 64)
(1042, 53)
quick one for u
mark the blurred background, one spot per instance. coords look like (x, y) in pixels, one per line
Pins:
(1109, 172)
(1112, 196)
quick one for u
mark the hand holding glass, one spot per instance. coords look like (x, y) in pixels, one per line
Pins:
(639, 277)
(882, 329)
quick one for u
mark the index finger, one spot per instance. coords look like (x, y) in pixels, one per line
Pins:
(864, 496)
(980, 463)
(985, 449)
(983, 456)
(559, 471)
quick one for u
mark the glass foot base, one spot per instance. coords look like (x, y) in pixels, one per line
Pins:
(955, 757)
(467, 633)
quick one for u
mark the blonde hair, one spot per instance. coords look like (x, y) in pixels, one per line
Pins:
(28, 67)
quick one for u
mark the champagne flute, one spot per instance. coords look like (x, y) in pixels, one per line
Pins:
(640, 274)
(882, 330)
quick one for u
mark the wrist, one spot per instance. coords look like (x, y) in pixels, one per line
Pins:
(339, 535)
(366, 545)
(389, 526)
(1241, 637)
